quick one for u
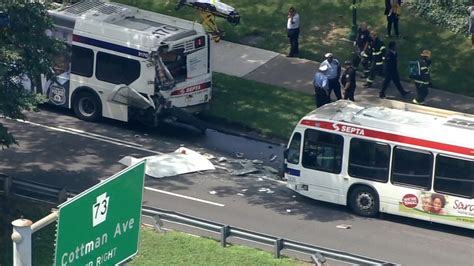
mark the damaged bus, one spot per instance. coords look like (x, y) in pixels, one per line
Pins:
(125, 63)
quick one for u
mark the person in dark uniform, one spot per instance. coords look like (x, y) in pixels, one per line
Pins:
(391, 71)
(348, 80)
(377, 48)
(362, 54)
(422, 81)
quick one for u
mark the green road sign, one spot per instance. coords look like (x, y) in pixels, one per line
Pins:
(101, 226)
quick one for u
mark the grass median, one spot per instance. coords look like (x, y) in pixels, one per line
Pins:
(272, 111)
(326, 26)
(172, 248)
(176, 248)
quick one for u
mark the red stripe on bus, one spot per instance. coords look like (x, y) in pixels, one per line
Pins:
(193, 88)
(354, 130)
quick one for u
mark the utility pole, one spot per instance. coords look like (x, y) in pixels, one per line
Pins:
(353, 34)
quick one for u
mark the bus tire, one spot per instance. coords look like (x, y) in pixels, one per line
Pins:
(364, 201)
(87, 106)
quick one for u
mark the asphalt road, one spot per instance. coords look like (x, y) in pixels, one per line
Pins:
(57, 149)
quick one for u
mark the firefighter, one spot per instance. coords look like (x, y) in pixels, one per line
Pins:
(362, 54)
(422, 81)
(377, 48)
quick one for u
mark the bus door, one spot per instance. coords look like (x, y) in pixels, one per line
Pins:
(293, 160)
(321, 165)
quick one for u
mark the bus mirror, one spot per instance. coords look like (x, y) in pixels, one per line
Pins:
(285, 154)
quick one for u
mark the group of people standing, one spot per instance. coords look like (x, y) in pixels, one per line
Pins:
(328, 79)
(376, 60)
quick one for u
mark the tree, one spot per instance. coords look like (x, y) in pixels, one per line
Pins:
(26, 52)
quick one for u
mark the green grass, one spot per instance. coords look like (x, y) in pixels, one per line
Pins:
(325, 23)
(155, 249)
(181, 249)
(272, 110)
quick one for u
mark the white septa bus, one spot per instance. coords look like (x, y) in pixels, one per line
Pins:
(127, 63)
(398, 158)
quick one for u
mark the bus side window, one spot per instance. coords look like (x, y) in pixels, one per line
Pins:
(294, 149)
(369, 160)
(412, 167)
(322, 151)
(82, 62)
(454, 176)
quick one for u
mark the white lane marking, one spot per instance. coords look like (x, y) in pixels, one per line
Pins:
(88, 136)
(100, 136)
(184, 197)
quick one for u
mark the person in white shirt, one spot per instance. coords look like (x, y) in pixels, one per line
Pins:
(293, 27)
(333, 74)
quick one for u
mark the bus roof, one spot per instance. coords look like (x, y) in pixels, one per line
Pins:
(117, 21)
(397, 121)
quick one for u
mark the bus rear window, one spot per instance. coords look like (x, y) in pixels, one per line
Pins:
(454, 176)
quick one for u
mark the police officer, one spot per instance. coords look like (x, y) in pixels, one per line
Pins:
(391, 71)
(333, 74)
(422, 81)
(363, 53)
(377, 48)
(321, 86)
(348, 80)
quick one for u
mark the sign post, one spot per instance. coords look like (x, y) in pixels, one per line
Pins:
(101, 226)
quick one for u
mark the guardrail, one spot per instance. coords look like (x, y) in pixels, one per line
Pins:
(54, 195)
(32, 190)
(278, 244)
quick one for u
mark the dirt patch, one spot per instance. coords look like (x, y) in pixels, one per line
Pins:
(252, 39)
(335, 34)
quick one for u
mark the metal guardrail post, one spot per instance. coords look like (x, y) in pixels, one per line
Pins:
(7, 185)
(277, 247)
(21, 237)
(318, 259)
(225, 231)
(62, 195)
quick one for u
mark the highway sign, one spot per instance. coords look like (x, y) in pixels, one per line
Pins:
(101, 226)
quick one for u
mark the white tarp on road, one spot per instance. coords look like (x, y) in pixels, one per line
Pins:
(179, 162)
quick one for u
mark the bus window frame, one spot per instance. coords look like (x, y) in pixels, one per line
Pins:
(337, 168)
(435, 176)
(289, 154)
(388, 162)
(409, 149)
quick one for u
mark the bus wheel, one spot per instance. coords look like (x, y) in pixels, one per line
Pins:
(364, 201)
(86, 106)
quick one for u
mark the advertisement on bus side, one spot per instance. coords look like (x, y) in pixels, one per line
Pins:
(439, 205)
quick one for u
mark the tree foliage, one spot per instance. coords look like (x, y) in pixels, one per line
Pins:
(451, 15)
(25, 51)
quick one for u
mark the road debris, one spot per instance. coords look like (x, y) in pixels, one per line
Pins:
(181, 161)
(240, 194)
(344, 226)
(213, 192)
(273, 157)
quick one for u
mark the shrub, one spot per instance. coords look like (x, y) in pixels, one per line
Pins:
(451, 15)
